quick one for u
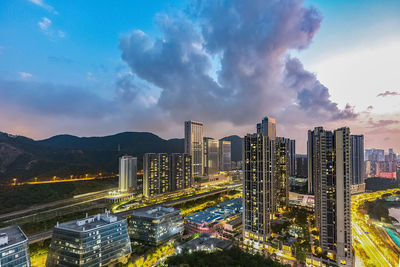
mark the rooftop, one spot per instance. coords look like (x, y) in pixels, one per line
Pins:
(217, 213)
(90, 223)
(205, 242)
(11, 235)
(154, 212)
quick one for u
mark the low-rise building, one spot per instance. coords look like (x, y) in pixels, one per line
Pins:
(93, 241)
(153, 226)
(14, 249)
(204, 242)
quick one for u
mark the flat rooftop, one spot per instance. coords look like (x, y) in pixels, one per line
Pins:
(90, 223)
(154, 212)
(217, 213)
(205, 241)
(11, 235)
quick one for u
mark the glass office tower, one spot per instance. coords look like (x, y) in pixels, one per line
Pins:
(92, 241)
(14, 249)
(153, 226)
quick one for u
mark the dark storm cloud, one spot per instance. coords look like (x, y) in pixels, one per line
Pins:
(53, 100)
(250, 41)
(388, 93)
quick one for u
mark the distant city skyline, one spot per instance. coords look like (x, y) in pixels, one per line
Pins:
(101, 69)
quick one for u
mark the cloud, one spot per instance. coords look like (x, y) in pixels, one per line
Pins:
(44, 24)
(256, 76)
(42, 4)
(25, 75)
(382, 123)
(388, 93)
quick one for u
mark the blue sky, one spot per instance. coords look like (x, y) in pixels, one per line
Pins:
(77, 43)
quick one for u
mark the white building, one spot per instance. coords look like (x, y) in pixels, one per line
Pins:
(127, 173)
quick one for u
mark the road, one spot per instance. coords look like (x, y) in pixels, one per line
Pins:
(34, 208)
(176, 201)
(369, 247)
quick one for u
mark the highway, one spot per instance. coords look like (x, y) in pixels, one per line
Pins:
(177, 201)
(369, 247)
(75, 200)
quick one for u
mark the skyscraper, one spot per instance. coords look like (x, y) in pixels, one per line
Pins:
(267, 127)
(258, 187)
(282, 157)
(164, 173)
(151, 178)
(181, 171)
(127, 173)
(329, 155)
(211, 156)
(194, 145)
(292, 157)
(301, 165)
(357, 159)
(225, 155)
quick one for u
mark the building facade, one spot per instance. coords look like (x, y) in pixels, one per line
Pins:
(267, 127)
(151, 175)
(211, 156)
(14, 248)
(225, 163)
(194, 145)
(127, 173)
(282, 159)
(164, 173)
(258, 189)
(181, 171)
(330, 166)
(357, 159)
(93, 241)
(292, 157)
(301, 166)
(153, 226)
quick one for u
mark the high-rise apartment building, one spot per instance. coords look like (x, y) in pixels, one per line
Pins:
(292, 157)
(194, 145)
(301, 165)
(101, 240)
(164, 173)
(282, 159)
(211, 156)
(329, 155)
(151, 175)
(357, 159)
(258, 188)
(225, 155)
(181, 171)
(267, 127)
(14, 248)
(127, 173)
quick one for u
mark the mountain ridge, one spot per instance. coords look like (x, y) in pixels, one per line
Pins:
(64, 154)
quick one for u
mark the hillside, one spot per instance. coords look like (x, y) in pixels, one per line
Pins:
(63, 155)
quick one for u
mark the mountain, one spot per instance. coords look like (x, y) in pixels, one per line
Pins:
(63, 155)
(236, 147)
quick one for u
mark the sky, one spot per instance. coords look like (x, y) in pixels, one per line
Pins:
(93, 68)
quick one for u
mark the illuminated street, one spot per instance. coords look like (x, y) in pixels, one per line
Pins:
(370, 248)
